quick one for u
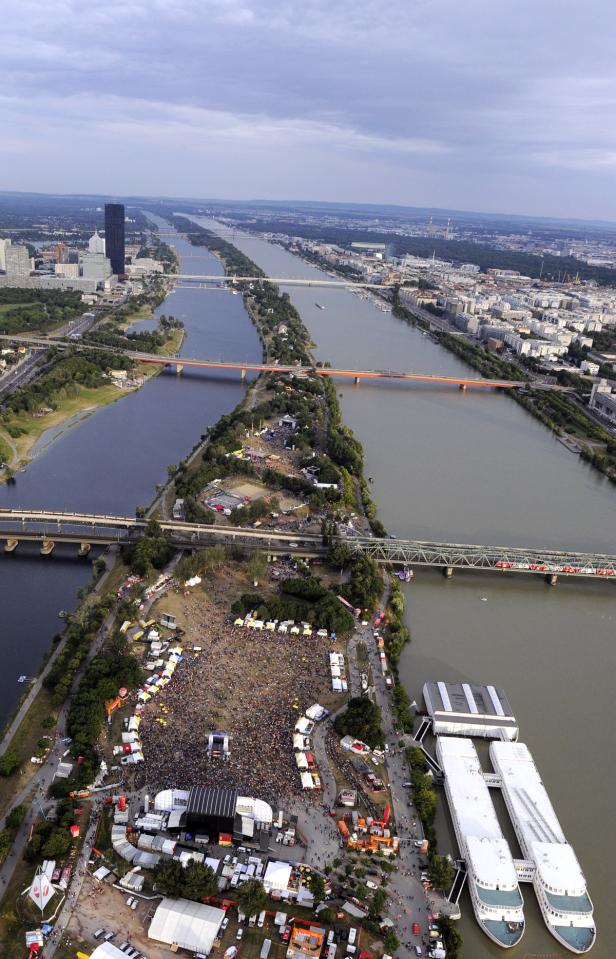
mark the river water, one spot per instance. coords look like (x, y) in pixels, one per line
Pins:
(448, 466)
(474, 467)
(111, 461)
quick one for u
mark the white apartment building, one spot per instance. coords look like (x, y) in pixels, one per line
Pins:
(17, 260)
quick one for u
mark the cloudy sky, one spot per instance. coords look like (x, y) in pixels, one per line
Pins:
(496, 105)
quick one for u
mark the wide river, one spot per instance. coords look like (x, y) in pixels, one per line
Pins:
(447, 466)
(112, 461)
(476, 468)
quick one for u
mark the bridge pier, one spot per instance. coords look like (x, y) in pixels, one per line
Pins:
(242, 375)
(11, 545)
(551, 579)
(448, 572)
(462, 386)
(179, 368)
(84, 549)
(356, 381)
(47, 547)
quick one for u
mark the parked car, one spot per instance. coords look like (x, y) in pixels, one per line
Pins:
(239, 934)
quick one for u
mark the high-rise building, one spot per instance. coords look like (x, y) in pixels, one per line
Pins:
(114, 236)
(3, 247)
(70, 270)
(95, 266)
(96, 243)
(17, 260)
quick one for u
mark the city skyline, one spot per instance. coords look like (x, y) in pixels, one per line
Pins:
(487, 108)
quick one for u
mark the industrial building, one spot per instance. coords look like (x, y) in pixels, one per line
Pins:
(469, 709)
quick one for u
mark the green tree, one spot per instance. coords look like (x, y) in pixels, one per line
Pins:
(256, 568)
(251, 897)
(57, 845)
(316, 884)
(452, 938)
(362, 720)
(441, 873)
(390, 941)
(169, 877)
(9, 763)
(379, 901)
(199, 881)
(16, 817)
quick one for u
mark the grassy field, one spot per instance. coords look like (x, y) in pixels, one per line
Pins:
(6, 307)
(6, 451)
(24, 743)
(87, 399)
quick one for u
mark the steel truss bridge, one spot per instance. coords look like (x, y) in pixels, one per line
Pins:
(49, 527)
(180, 362)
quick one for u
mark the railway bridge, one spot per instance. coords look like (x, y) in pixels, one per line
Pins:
(86, 529)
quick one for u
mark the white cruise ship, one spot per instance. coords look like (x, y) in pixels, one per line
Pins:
(492, 878)
(559, 882)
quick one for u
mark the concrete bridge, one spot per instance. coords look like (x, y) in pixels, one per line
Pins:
(85, 529)
(279, 280)
(463, 382)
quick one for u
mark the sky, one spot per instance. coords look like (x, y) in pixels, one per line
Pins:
(489, 105)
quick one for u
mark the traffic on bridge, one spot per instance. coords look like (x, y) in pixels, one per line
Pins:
(49, 527)
(463, 382)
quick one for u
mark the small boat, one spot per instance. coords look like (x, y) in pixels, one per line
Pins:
(319, 306)
(62, 614)
(22, 679)
(405, 575)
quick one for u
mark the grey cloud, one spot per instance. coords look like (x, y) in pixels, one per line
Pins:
(418, 101)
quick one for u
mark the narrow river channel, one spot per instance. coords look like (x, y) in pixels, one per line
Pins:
(476, 468)
(111, 462)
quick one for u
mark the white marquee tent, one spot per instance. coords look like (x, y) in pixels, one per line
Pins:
(189, 925)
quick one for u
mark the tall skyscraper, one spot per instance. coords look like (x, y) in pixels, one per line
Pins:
(17, 260)
(114, 236)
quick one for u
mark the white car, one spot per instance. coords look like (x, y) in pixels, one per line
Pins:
(224, 923)
(239, 934)
(370, 884)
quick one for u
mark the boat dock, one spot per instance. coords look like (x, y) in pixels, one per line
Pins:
(550, 862)
(470, 709)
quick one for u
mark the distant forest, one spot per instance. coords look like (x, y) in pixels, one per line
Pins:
(456, 251)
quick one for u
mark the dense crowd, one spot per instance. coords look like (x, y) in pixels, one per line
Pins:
(251, 685)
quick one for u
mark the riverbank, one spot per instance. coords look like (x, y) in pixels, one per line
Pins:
(564, 415)
(26, 434)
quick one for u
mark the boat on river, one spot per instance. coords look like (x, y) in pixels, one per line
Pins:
(492, 877)
(558, 880)
(320, 305)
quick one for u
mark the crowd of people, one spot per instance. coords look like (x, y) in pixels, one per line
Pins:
(253, 686)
